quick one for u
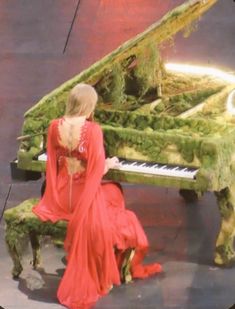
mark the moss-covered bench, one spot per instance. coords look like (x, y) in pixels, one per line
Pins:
(22, 224)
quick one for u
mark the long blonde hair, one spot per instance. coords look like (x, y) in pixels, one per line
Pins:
(81, 101)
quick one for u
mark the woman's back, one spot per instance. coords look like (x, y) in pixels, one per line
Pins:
(70, 143)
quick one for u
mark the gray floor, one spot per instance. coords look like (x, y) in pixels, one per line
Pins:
(43, 43)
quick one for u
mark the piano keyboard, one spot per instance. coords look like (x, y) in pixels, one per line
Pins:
(157, 169)
(150, 168)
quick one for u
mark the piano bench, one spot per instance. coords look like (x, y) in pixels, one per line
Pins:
(23, 226)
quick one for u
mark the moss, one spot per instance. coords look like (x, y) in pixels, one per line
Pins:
(225, 254)
(194, 127)
(128, 84)
(21, 226)
(160, 31)
(111, 88)
(226, 208)
(21, 221)
(145, 74)
(215, 106)
(192, 142)
(177, 104)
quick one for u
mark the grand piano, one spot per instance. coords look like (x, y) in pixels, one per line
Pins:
(168, 128)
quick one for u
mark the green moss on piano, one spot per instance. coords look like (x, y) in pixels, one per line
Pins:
(137, 60)
(128, 79)
(22, 225)
(116, 93)
(190, 142)
(195, 127)
(215, 107)
(224, 253)
(176, 83)
(131, 83)
(197, 142)
(177, 104)
(147, 73)
(130, 87)
(111, 88)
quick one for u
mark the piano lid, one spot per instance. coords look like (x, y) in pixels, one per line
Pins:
(162, 30)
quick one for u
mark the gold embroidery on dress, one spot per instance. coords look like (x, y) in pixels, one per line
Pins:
(70, 131)
(75, 166)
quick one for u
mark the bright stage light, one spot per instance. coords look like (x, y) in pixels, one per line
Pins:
(200, 70)
(230, 103)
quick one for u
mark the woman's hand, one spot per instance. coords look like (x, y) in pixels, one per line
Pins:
(111, 163)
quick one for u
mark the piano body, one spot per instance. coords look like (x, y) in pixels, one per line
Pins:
(170, 129)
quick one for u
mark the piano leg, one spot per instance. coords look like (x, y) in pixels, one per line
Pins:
(188, 195)
(35, 244)
(15, 250)
(224, 252)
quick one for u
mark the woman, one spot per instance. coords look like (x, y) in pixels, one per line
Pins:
(101, 232)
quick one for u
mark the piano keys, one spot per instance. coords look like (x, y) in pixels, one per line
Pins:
(151, 168)
(157, 169)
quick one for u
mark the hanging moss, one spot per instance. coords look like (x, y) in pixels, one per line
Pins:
(128, 82)
(112, 86)
(143, 78)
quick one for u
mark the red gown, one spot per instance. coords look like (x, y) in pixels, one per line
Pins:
(98, 223)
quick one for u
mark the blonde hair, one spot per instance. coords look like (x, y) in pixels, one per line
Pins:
(81, 101)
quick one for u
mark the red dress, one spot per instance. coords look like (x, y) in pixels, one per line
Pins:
(99, 225)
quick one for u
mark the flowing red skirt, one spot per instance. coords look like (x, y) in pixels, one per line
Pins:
(81, 287)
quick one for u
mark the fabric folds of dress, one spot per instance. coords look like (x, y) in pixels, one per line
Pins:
(98, 223)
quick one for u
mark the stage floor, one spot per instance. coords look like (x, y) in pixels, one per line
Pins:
(44, 43)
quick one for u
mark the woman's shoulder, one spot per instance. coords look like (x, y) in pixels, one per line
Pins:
(95, 130)
(94, 126)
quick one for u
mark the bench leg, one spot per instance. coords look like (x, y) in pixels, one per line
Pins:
(35, 244)
(13, 245)
(224, 252)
